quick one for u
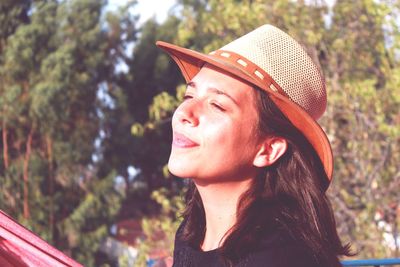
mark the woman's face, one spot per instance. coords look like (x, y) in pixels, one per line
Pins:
(214, 129)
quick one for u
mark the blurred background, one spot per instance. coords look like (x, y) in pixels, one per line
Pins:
(86, 101)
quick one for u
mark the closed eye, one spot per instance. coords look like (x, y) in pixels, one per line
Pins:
(186, 97)
(217, 106)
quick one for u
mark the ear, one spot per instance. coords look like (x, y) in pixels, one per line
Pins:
(271, 149)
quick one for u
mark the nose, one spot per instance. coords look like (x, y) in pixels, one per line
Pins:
(187, 113)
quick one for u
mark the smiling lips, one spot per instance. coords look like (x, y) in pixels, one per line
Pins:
(181, 141)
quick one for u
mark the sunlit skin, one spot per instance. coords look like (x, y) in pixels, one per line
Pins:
(216, 143)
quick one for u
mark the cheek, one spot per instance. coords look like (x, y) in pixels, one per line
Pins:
(217, 131)
(228, 136)
(174, 119)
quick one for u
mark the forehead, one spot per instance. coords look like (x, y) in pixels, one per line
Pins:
(211, 77)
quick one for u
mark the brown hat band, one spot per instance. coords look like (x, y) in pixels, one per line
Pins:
(249, 68)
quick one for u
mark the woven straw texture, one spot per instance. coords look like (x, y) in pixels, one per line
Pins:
(285, 60)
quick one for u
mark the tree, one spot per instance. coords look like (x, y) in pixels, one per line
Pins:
(363, 123)
(55, 56)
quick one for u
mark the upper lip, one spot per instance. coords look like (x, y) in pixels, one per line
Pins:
(182, 140)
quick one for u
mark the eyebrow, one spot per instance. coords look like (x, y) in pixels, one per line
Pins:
(213, 90)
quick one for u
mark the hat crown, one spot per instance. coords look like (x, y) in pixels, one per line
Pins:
(285, 60)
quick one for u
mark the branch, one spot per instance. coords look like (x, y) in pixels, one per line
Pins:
(5, 145)
(49, 146)
(26, 174)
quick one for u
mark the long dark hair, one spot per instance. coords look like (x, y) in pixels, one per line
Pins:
(289, 196)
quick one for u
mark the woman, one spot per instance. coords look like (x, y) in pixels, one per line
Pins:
(246, 134)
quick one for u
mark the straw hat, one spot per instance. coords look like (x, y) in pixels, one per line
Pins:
(272, 60)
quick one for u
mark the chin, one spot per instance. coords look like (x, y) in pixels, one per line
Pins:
(178, 168)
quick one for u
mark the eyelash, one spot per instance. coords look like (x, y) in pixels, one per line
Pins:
(186, 97)
(215, 105)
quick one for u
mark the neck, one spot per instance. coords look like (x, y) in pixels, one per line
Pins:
(220, 202)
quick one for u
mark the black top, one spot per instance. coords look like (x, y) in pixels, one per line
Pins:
(277, 249)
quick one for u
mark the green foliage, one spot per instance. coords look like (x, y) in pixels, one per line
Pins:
(364, 128)
(354, 54)
(88, 224)
(160, 231)
(53, 58)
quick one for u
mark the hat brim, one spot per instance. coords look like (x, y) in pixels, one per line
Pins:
(190, 63)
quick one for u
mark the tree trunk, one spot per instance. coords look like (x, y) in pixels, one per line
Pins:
(396, 231)
(49, 145)
(26, 174)
(5, 145)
